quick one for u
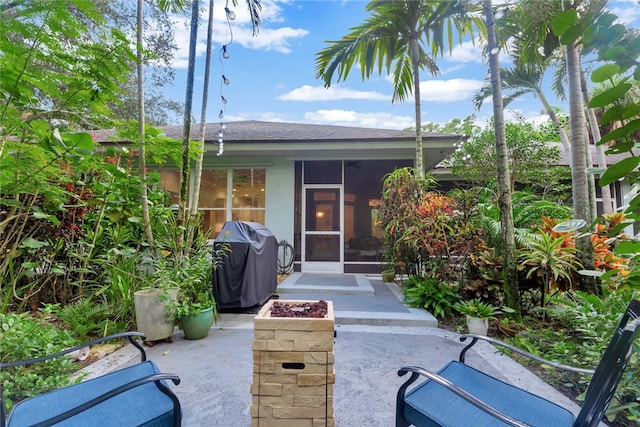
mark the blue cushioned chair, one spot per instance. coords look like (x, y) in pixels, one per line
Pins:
(133, 396)
(459, 395)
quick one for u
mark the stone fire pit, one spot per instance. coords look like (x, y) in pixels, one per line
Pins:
(293, 373)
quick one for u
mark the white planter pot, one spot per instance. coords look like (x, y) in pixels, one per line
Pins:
(477, 325)
(152, 317)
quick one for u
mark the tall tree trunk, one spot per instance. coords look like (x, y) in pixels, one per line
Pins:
(607, 201)
(580, 193)
(510, 272)
(144, 198)
(415, 61)
(564, 139)
(186, 134)
(197, 176)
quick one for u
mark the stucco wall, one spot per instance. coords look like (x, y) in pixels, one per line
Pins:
(279, 199)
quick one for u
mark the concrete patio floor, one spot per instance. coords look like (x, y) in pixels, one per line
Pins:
(375, 336)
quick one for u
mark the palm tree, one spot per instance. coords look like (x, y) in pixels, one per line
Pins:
(577, 123)
(505, 205)
(404, 36)
(521, 81)
(536, 43)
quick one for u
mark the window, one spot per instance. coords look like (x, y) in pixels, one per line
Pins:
(213, 200)
(225, 195)
(248, 195)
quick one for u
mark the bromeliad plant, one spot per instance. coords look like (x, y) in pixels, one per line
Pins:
(549, 260)
(477, 308)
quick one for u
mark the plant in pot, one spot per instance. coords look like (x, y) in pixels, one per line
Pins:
(153, 316)
(508, 326)
(478, 314)
(195, 307)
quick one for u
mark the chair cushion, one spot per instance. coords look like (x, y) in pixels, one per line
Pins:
(145, 405)
(430, 404)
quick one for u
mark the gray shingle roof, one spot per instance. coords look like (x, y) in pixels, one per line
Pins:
(252, 131)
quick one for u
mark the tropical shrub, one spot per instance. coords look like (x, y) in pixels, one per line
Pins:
(551, 262)
(422, 227)
(592, 321)
(431, 293)
(24, 337)
(401, 195)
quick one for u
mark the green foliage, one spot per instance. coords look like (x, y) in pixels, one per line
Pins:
(549, 260)
(532, 161)
(89, 319)
(593, 321)
(618, 50)
(422, 227)
(59, 62)
(396, 37)
(23, 337)
(429, 292)
(528, 211)
(477, 308)
(192, 275)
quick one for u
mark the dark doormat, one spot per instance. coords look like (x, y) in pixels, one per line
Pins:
(321, 279)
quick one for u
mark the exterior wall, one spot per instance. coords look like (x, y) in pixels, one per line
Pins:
(279, 199)
(279, 188)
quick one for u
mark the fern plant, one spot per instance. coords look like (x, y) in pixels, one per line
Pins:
(430, 293)
(88, 318)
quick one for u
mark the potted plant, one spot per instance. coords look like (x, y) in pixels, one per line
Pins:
(478, 314)
(153, 317)
(506, 325)
(195, 307)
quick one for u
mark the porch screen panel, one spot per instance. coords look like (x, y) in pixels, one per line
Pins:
(323, 172)
(363, 181)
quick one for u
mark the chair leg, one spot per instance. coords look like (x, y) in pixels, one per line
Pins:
(400, 421)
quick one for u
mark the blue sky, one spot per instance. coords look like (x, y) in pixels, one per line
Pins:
(272, 75)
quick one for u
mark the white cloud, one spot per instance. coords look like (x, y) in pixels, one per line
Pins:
(452, 90)
(308, 93)
(466, 52)
(278, 40)
(627, 11)
(535, 117)
(238, 32)
(380, 120)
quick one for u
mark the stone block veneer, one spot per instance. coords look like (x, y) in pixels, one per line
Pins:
(293, 369)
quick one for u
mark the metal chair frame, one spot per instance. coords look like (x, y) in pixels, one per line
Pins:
(599, 393)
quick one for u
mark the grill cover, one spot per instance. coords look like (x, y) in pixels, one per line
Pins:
(248, 276)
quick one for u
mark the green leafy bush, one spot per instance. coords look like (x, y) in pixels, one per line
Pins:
(431, 293)
(23, 337)
(477, 308)
(89, 319)
(585, 325)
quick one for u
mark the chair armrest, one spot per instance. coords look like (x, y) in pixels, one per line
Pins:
(475, 338)
(111, 393)
(128, 335)
(417, 371)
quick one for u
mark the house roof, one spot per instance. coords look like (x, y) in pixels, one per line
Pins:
(301, 141)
